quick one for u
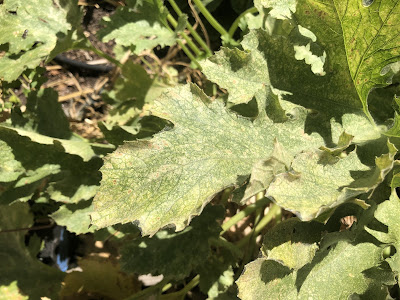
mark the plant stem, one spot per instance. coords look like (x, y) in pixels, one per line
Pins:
(235, 24)
(194, 282)
(104, 55)
(189, 41)
(244, 213)
(189, 54)
(273, 211)
(195, 35)
(166, 287)
(213, 22)
(144, 292)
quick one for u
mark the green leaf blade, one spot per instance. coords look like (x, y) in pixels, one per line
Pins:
(171, 177)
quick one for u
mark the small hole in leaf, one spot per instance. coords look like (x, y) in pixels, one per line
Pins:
(367, 3)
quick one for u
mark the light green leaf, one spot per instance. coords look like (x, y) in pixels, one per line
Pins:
(264, 171)
(331, 275)
(49, 172)
(292, 243)
(264, 277)
(34, 279)
(174, 255)
(280, 9)
(10, 169)
(338, 273)
(245, 75)
(141, 24)
(11, 292)
(240, 72)
(76, 217)
(43, 115)
(372, 40)
(387, 213)
(169, 178)
(130, 93)
(45, 122)
(77, 147)
(311, 187)
(30, 29)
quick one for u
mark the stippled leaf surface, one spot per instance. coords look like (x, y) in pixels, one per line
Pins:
(266, 277)
(328, 273)
(333, 273)
(141, 25)
(237, 71)
(33, 278)
(292, 243)
(169, 178)
(29, 30)
(311, 187)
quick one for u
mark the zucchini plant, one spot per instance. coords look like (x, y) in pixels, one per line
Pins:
(302, 137)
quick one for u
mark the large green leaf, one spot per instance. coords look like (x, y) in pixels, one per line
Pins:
(33, 278)
(359, 40)
(29, 31)
(141, 24)
(169, 178)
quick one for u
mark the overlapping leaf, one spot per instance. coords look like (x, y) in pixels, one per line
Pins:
(75, 217)
(29, 33)
(328, 273)
(49, 172)
(170, 178)
(44, 122)
(312, 187)
(112, 284)
(387, 213)
(174, 255)
(141, 24)
(360, 40)
(33, 278)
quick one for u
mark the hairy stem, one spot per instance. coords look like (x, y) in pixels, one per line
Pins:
(273, 212)
(192, 31)
(193, 283)
(213, 22)
(244, 213)
(189, 41)
(235, 24)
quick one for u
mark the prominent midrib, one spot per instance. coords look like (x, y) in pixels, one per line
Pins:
(373, 40)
